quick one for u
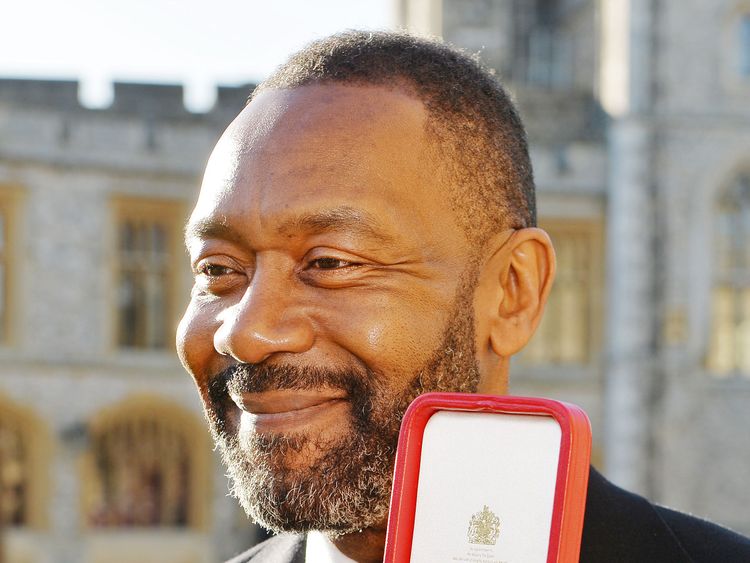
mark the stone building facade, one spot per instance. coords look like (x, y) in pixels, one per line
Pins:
(92, 204)
(639, 124)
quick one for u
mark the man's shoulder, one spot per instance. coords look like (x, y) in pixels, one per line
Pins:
(284, 548)
(704, 540)
(622, 526)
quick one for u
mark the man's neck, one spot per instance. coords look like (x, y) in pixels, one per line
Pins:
(366, 546)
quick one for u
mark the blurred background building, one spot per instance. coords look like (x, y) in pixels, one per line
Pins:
(638, 113)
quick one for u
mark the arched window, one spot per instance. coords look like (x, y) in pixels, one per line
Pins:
(23, 446)
(729, 351)
(14, 471)
(145, 467)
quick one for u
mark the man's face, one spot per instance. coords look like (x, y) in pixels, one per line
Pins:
(333, 285)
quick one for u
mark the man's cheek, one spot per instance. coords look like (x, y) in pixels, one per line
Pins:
(195, 348)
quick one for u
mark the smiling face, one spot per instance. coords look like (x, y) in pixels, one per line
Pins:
(333, 285)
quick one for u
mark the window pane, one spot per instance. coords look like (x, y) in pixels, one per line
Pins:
(744, 35)
(141, 475)
(564, 334)
(158, 241)
(143, 283)
(729, 348)
(13, 471)
(721, 359)
(126, 236)
(127, 310)
(742, 344)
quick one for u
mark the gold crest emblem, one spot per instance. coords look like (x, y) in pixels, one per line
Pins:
(484, 527)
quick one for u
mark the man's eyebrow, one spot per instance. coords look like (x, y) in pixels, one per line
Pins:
(210, 228)
(338, 219)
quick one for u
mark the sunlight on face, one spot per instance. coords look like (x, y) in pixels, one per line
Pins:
(332, 287)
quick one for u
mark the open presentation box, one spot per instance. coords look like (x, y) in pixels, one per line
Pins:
(489, 479)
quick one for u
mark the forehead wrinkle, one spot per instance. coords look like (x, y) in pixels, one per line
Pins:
(338, 219)
(211, 228)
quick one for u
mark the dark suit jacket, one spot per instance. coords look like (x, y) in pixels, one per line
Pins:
(619, 527)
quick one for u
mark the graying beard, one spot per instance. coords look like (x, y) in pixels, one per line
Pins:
(347, 490)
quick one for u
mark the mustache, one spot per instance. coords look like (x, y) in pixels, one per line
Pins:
(257, 378)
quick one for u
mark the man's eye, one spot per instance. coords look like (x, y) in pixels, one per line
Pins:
(330, 263)
(214, 270)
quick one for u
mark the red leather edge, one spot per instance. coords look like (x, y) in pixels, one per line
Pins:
(572, 470)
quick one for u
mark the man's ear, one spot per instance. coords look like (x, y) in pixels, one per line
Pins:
(512, 290)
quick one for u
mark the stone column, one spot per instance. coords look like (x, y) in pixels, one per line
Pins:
(66, 520)
(630, 281)
(629, 370)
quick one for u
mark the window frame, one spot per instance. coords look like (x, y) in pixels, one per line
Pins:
(743, 50)
(176, 418)
(721, 279)
(37, 444)
(593, 228)
(171, 214)
(736, 82)
(10, 198)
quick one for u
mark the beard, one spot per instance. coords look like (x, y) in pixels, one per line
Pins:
(344, 485)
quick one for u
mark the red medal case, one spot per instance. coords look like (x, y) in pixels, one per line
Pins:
(489, 479)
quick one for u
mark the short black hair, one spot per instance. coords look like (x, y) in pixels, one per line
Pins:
(480, 135)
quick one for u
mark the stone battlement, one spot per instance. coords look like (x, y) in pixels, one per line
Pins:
(146, 100)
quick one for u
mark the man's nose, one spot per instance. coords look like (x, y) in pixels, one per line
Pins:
(266, 321)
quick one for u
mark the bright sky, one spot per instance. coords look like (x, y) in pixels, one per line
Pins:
(195, 42)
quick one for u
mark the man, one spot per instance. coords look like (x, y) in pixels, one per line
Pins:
(365, 233)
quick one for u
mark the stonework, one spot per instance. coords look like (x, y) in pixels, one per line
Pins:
(65, 166)
(649, 175)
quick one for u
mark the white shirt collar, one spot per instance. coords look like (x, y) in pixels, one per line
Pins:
(321, 550)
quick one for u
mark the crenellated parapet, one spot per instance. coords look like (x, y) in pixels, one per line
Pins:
(146, 128)
(62, 94)
(153, 101)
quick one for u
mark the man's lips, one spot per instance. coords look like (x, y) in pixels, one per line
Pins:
(284, 410)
